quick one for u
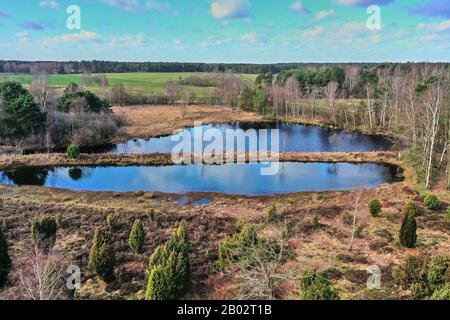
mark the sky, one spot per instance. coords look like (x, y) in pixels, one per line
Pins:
(229, 31)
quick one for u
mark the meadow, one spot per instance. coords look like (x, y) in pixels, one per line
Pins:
(145, 83)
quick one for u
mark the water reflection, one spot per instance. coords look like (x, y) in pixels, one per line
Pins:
(293, 138)
(244, 179)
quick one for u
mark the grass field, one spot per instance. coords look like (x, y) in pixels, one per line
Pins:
(138, 82)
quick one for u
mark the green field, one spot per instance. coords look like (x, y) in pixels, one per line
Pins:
(145, 83)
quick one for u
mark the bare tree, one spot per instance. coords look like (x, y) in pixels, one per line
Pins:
(40, 91)
(433, 102)
(357, 198)
(171, 91)
(259, 276)
(41, 276)
(330, 93)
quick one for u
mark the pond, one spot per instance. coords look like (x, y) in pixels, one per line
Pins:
(292, 138)
(241, 179)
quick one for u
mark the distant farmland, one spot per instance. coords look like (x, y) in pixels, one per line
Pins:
(146, 83)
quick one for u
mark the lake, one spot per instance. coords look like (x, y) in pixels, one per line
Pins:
(292, 138)
(241, 179)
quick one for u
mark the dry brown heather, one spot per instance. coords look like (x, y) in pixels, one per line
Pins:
(324, 247)
(150, 121)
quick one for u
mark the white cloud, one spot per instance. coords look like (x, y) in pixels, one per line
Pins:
(321, 15)
(158, 6)
(81, 36)
(435, 27)
(250, 37)
(127, 5)
(22, 34)
(314, 32)
(49, 4)
(223, 9)
(178, 45)
(128, 40)
(297, 6)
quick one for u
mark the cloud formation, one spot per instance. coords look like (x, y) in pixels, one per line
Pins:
(364, 3)
(127, 5)
(433, 8)
(49, 4)
(324, 14)
(225, 9)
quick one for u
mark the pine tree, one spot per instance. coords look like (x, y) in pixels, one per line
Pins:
(170, 268)
(137, 237)
(157, 288)
(5, 260)
(408, 236)
(102, 257)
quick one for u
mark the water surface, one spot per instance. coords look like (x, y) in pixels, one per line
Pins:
(242, 179)
(293, 138)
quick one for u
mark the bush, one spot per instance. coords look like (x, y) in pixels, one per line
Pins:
(5, 260)
(438, 270)
(169, 268)
(315, 285)
(315, 222)
(272, 214)
(418, 291)
(237, 245)
(73, 151)
(137, 237)
(432, 202)
(412, 270)
(408, 236)
(102, 258)
(375, 207)
(43, 231)
(59, 220)
(443, 293)
(410, 209)
(112, 222)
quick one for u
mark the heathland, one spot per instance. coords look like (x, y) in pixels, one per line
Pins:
(265, 247)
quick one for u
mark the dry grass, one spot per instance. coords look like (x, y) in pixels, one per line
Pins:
(151, 121)
(324, 247)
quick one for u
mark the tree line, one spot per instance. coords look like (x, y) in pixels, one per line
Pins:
(410, 101)
(96, 66)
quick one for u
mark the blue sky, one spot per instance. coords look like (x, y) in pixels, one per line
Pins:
(254, 31)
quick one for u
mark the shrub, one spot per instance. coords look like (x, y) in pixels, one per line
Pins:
(443, 293)
(413, 270)
(73, 151)
(273, 215)
(432, 202)
(59, 220)
(410, 209)
(137, 237)
(102, 257)
(408, 236)
(315, 285)
(5, 260)
(158, 287)
(112, 222)
(43, 230)
(236, 246)
(438, 269)
(151, 215)
(169, 268)
(418, 291)
(375, 207)
(315, 221)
